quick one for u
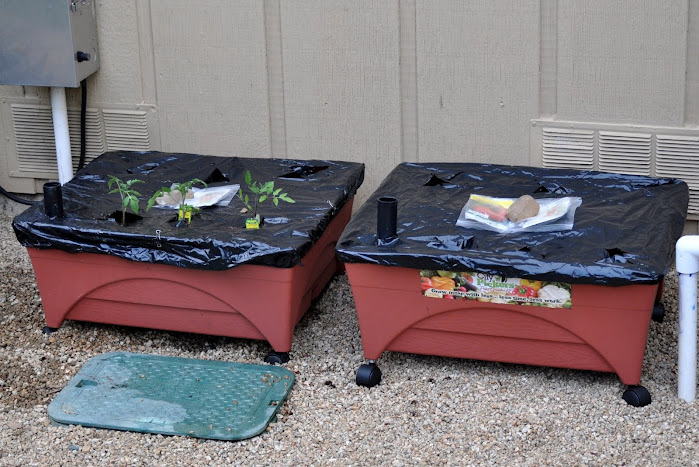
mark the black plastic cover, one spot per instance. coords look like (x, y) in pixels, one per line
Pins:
(217, 238)
(625, 230)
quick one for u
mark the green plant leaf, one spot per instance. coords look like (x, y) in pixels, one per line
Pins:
(248, 177)
(254, 189)
(267, 187)
(115, 190)
(275, 201)
(247, 200)
(126, 202)
(157, 194)
(134, 205)
(262, 198)
(276, 192)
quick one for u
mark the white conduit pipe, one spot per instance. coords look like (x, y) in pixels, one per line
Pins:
(687, 262)
(59, 111)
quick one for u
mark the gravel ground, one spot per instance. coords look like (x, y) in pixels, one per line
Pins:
(427, 410)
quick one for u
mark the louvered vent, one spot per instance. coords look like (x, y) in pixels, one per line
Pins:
(33, 128)
(639, 150)
(35, 143)
(568, 148)
(94, 136)
(106, 129)
(126, 130)
(628, 153)
(678, 157)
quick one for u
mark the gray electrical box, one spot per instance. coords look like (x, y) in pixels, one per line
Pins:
(47, 42)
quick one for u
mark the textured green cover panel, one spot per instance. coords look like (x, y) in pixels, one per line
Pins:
(173, 396)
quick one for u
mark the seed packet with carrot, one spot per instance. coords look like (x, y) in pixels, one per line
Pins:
(489, 210)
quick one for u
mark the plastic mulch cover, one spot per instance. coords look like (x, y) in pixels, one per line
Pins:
(217, 238)
(624, 231)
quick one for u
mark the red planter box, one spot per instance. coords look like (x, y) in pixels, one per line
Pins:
(577, 295)
(248, 301)
(604, 330)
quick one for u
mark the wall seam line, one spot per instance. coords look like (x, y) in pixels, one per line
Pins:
(149, 90)
(407, 25)
(548, 56)
(691, 84)
(275, 77)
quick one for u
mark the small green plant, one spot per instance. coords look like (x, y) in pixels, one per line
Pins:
(261, 192)
(185, 212)
(129, 196)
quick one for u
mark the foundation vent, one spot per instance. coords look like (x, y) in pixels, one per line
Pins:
(678, 157)
(126, 130)
(94, 143)
(568, 148)
(625, 152)
(35, 144)
(639, 150)
(31, 154)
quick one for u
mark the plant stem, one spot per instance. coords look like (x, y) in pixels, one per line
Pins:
(123, 210)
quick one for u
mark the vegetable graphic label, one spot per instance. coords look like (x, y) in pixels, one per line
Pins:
(494, 289)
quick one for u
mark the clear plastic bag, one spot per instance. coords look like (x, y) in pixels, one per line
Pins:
(202, 197)
(489, 213)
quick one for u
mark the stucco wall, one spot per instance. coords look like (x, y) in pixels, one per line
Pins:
(387, 81)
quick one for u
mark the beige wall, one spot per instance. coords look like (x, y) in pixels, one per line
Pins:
(382, 82)
(622, 61)
(341, 83)
(477, 79)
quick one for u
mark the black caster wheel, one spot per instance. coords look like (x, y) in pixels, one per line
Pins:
(658, 312)
(49, 330)
(277, 358)
(368, 375)
(638, 396)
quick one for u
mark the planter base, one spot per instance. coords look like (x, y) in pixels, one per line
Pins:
(248, 301)
(605, 329)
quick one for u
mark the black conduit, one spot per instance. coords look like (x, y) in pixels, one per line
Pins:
(16, 198)
(83, 111)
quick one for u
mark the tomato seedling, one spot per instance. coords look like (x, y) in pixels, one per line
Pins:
(129, 196)
(184, 211)
(260, 193)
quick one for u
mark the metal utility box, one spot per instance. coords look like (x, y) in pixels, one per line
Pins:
(47, 42)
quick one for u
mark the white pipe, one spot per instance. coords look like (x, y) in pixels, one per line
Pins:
(687, 263)
(59, 111)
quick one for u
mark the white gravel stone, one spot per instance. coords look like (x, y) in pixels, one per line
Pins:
(427, 410)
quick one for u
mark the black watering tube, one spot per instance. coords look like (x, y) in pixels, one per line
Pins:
(83, 111)
(83, 145)
(17, 198)
(53, 200)
(386, 219)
